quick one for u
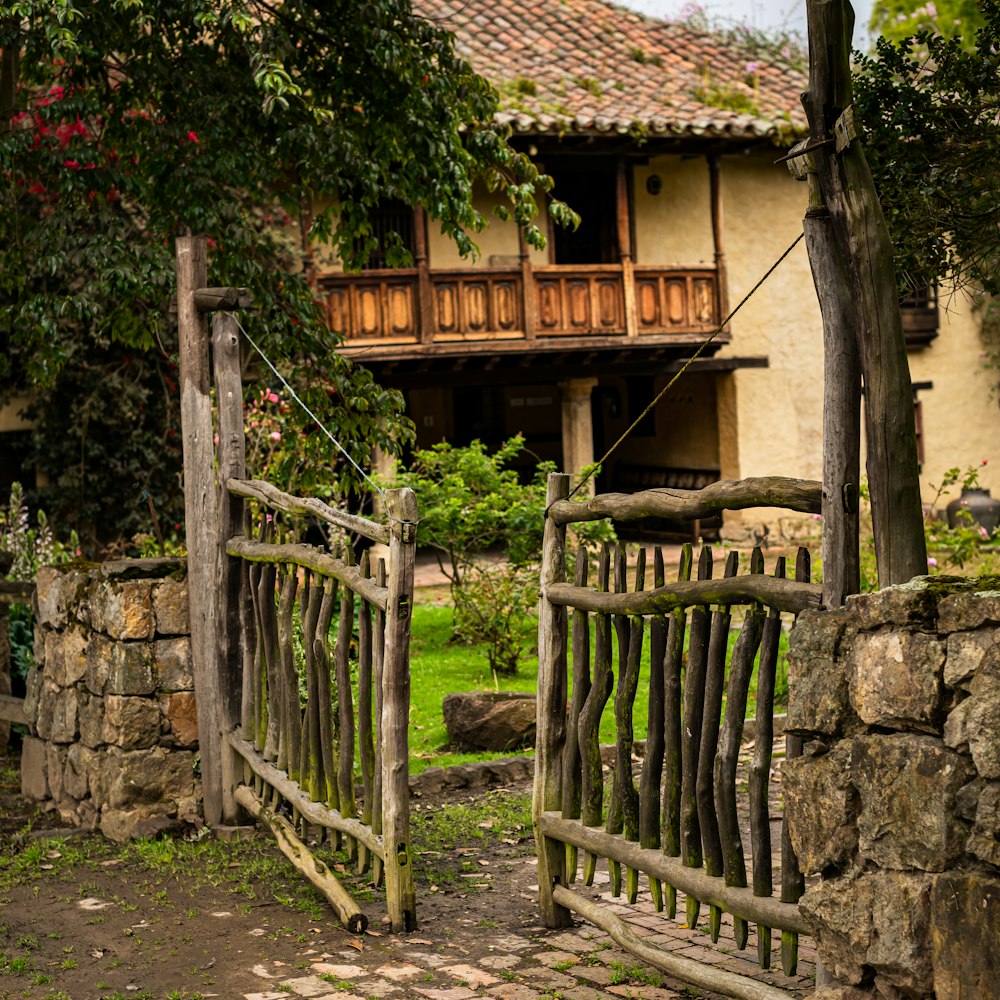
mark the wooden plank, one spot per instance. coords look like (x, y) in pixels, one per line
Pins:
(309, 558)
(760, 770)
(401, 508)
(231, 464)
(694, 704)
(740, 672)
(690, 881)
(201, 520)
(651, 777)
(785, 595)
(592, 793)
(288, 676)
(214, 299)
(715, 681)
(551, 710)
(366, 736)
(793, 883)
(271, 496)
(673, 728)
(697, 973)
(801, 495)
(866, 250)
(345, 707)
(624, 702)
(616, 806)
(305, 862)
(378, 669)
(571, 764)
(12, 710)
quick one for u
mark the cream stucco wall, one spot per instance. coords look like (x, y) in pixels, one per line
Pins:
(961, 413)
(674, 226)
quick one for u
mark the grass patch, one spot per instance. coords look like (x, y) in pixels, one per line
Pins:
(439, 666)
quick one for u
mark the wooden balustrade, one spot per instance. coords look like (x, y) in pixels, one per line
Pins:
(384, 309)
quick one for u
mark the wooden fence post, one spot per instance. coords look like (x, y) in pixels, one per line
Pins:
(231, 465)
(401, 508)
(866, 259)
(200, 515)
(551, 712)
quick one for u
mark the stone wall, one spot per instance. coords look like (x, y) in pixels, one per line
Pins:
(113, 738)
(896, 802)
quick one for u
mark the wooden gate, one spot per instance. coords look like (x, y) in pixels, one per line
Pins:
(300, 657)
(681, 826)
(325, 692)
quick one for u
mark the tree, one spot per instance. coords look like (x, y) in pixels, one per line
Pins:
(266, 124)
(930, 106)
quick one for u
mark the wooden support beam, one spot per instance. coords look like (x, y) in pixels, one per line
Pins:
(425, 288)
(866, 258)
(222, 299)
(625, 253)
(718, 242)
(231, 462)
(200, 516)
(529, 293)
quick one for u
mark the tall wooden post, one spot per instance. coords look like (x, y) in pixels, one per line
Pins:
(551, 711)
(529, 293)
(231, 465)
(718, 243)
(865, 258)
(200, 515)
(401, 508)
(625, 246)
(425, 288)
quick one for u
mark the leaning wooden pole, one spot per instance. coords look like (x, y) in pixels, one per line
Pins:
(200, 516)
(862, 238)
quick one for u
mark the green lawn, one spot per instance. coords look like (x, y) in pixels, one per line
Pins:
(439, 666)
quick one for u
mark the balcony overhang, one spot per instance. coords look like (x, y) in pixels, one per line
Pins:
(514, 364)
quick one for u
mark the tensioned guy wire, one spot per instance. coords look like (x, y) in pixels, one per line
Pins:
(319, 423)
(687, 364)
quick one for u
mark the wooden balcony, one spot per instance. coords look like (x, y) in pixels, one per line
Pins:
(391, 312)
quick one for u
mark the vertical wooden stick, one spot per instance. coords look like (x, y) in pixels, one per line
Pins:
(366, 739)
(378, 868)
(200, 518)
(401, 508)
(551, 711)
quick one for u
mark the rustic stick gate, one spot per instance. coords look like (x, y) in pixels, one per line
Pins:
(282, 735)
(689, 838)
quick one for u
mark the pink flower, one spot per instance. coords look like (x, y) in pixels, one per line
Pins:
(72, 164)
(931, 561)
(193, 136)
(275, 436)
(272, 397)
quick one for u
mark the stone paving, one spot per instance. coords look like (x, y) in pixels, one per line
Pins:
(581, 963)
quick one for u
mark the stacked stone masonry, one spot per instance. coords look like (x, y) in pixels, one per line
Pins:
(895, 804)
(113, 738)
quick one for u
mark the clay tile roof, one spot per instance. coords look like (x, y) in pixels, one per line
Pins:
(587, 66)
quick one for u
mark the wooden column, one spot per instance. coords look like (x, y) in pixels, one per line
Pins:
(425, 287)
(625, 247)
(529, 293)
(200, 516)
(721, 273)
(401, 507)
(865, 252)
(551, 712)
(231, 457)
(577, 425)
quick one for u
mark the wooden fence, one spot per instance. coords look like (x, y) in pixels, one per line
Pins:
(280, 630)
(307, 726)
(688, 838)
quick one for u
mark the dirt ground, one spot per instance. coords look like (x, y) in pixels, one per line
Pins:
(84, 918)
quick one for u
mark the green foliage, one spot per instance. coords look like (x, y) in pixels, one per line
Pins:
(897, 20)
(256, 124)
(931, 107)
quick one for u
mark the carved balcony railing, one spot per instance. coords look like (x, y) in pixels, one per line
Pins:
(391, 308)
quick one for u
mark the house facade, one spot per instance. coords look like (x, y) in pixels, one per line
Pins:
(664, 139)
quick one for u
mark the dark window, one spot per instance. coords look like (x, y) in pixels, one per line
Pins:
(390, 217)
(919, 312)
(590, 193)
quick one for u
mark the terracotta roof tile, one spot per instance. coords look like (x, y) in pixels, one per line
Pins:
(590, 66)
